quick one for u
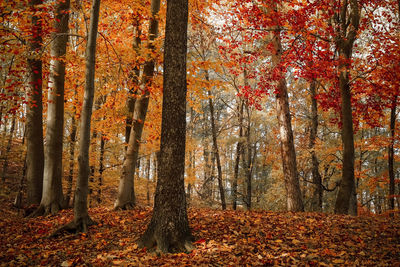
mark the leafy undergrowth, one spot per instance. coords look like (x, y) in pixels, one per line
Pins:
(223, 238)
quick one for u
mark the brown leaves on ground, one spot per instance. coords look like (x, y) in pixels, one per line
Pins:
(223, 238)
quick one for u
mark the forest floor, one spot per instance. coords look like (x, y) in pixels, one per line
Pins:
(222, 238)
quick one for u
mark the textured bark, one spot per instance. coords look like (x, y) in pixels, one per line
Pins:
(215, 150)
(239, 148)
(288, 154)
(391, 154)
(169, 226)
(126, 193)
(8, 149)
(52, 197)
(101, 167)
(135, 80)
(34, 113)
(316, 201)
(72, 141)
(81, 216)
(348, 21)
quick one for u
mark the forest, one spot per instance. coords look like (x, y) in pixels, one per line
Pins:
(206, 133)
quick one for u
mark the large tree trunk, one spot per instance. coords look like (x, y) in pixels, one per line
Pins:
(215, 150)
(126, 192)
(81, 216)
(348, 20)
(34, 113)
(288, 154)
(169, 226)
(391, 155)
(239, 148)
(52, 198)
(316, 200)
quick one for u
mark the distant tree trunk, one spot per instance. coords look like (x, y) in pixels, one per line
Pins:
(81, 217)
(169, 226)
(391, 154)
(348, 21)
(248, 167)
(215, 150)
(288, 154)
(148, 167)
(239, 148)
(126, 193)
(52, 198)
(72, 141)
(34, 113)
(8, 149)
(135, 80)
(101, 167)
(316, 201)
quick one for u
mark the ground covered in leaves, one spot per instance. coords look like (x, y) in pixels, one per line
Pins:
(223, 238)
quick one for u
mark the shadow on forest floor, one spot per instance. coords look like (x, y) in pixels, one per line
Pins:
(223, 238)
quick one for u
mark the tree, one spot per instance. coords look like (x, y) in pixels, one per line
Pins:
(52, 196)
(347, 20)
(34, 113)
(126, 193)
(169, 227)
(288, 154)
(81, 217)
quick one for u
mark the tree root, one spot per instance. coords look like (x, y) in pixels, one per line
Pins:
(79, 225)
(161, 244)
(44, 210)
(125, 206)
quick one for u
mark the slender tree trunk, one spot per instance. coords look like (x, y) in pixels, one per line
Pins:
(52, 198)
(34, 113)
(348, 22)
(288, 154)
(391, 155)
(215, 150)
(316, 201)
(135, 80)
(126, 193)
(8, 149)
(101, 167)
(81, 216)
(169, 226)
(239, 148)
(72, 141)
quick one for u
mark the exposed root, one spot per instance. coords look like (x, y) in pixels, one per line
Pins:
(125, 206)
(79, 225)
(163, 243)
(44, 210)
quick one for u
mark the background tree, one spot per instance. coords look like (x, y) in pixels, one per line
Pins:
(126, 193)
(34, 114)
(52, 197)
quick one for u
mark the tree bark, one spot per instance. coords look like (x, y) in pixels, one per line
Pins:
(8, 149)
(348, 20)
(316, 201)
(72, 141)
(215, 150)
(391, 155)
(135, 80)
(239, 148)
(288, 154)
(169, 226)
(34, 113)
(52, 197)
(81, 216)
(126, 193)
